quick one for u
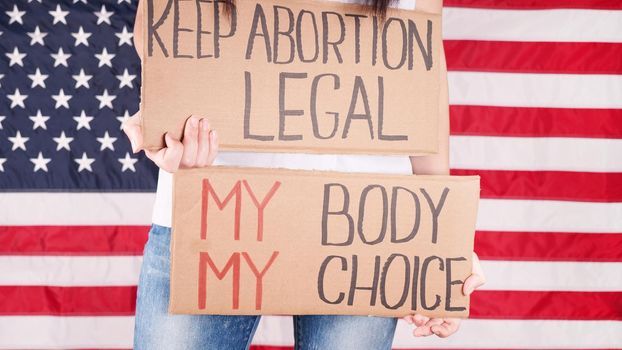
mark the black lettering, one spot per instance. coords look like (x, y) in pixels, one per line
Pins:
(343, 211)
(320, 279)
(313, 107)
(383, 227)
(287, 112)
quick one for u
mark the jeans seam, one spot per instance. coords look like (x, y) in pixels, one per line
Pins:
(252, 332)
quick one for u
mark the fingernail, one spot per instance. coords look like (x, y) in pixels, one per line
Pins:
(214, 134)
(409, 320)
(205, 124)
(194, 122)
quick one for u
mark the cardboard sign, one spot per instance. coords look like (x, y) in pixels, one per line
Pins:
(268, 241)
(293, 76)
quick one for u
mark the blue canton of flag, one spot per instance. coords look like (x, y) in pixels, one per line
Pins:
(69, 77)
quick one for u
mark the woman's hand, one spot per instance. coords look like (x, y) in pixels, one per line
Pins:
(198, 147)
(444, 327)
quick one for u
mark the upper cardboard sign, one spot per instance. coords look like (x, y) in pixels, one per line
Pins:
(293, 76)
(268, 241)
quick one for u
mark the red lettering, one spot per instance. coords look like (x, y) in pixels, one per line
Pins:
(259, 276)
(262, 205)
(233, 262)
(207, 190)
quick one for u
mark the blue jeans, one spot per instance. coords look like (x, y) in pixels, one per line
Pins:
(156, 329)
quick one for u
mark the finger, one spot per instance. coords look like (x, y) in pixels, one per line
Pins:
(409, 319)
(476, 279)
(434, 322)
(133, 130)
(447, 328)
(203, 149)
(420, 320)
(169, 157)
(213, 148)
(422, 331)
(190, 143)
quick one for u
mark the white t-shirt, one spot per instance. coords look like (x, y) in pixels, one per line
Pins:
(163, 207)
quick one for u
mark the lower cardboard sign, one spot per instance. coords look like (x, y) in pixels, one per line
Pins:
(272, 241)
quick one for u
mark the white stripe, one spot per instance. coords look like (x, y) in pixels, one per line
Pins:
(549, 216)
(70, 270)
(535, 90)
(552, 276)
(51, 332)
(76, 208)
(124, 271)
(480, 334)
(536, 153)
(532, 25)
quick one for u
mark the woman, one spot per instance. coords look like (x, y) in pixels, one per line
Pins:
(156, 329)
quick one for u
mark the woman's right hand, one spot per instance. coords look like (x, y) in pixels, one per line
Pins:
(197, 148)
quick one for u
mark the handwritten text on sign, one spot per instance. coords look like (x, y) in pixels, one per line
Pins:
(264, 241)
(293, 75)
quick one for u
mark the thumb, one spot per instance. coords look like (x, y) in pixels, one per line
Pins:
(133, 130)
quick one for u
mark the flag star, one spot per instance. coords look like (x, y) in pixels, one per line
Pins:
(106, 142)
(127, 163)
(3, 118)
(77, 1)
(123, 118)
(37, 36)
(84, 163)
(125, 37)
(39, 1)
(62, 142)
(15, 15)
(59, 15)
(84, 121)
(81, 37)
(17, 99)
(18, 141)
(105, 99)
(61, 99)
(105, 58)
(1, 76)
(60, 58)
(16, 57)
(39, 120)
(126, 79)
(122, 1)
(2, 160)
(82, 79)
(103, 15)
(38, 79)
(40, 162)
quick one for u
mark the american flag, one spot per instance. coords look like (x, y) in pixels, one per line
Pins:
(536, 110)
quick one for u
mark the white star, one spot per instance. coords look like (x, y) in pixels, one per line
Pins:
(106, 142)
(1, 76)
(18, 141)
(59, 15)
(77, 1)
(3, 118)
(84, 163)
(62, 142)
(126, 79)
(84, 121)
(40, 162)
(17, 99)
(81, 37)
(38, 79)
(82, 79)
(128, 162)
(122, 1)
(61, 99)
(123, 118)
(60, 58)
(103, 15)
(39, 120)
(2, 160)
(105, 99)
(105, 58)
(16, 57)
(125, 37)
(37, 36)
(15, 15)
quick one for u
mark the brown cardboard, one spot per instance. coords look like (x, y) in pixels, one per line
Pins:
(179, 84)
(213, 254)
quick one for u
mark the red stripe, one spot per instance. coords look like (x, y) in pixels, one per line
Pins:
(548, 185)
(535, 121)
(546, 305)
(537, 4)
(72, 240)
(534, 57)
(106, 301)
(67, 301)
(549, 246)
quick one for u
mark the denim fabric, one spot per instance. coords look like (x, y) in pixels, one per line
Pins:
(156, 329)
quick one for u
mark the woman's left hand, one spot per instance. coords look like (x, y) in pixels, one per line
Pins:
(444, 327)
